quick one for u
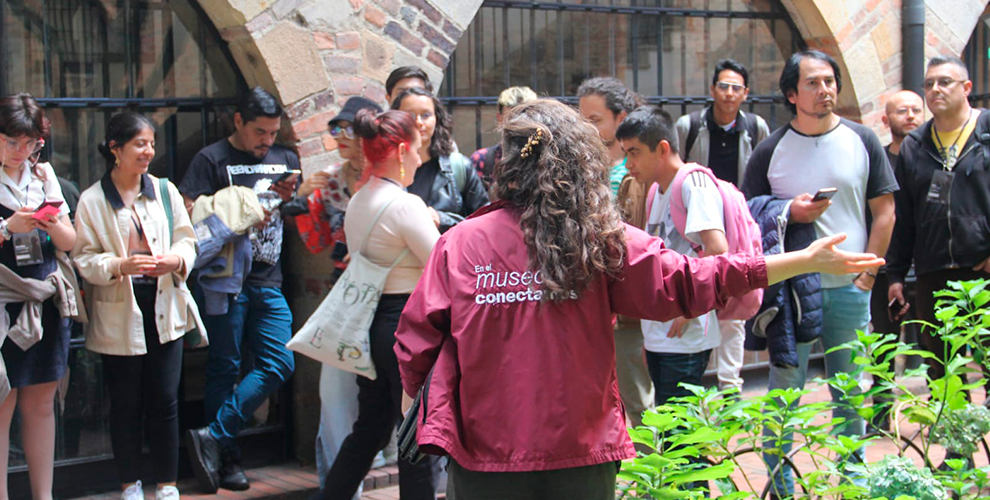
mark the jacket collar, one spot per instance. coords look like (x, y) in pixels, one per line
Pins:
(113, 196)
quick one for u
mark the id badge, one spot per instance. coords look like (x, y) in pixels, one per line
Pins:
(938, 191)
(27, 248)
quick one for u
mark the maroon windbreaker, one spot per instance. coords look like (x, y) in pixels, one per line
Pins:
(524, 384)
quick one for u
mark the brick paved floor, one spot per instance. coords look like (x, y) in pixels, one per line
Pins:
(294, 482)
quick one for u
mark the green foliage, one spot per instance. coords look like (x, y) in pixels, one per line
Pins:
(895, 477)
(698, 440)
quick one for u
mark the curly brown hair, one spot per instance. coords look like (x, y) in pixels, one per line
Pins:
(571, 227)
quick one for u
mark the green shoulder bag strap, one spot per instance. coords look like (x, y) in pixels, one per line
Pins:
(460, 174)
(167, 205)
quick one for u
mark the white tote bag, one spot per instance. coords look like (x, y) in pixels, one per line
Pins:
(337, 332)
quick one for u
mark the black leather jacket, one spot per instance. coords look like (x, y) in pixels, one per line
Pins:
(453, 204)
(933, 234)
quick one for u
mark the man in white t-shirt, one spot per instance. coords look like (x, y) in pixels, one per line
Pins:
(676, 351)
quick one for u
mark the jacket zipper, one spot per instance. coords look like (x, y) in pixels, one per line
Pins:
(948, 219)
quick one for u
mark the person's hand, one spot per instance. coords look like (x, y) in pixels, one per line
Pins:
(895, 292)
(138, 264)
(435, 216)
(864, 282)
(805, 211)
(264, 222)
(677, 328)
(984, 266)
(287, 188)
(47, 223)
(407, 402)
(312, 182)
(823, 257)
(165, 264)
(22, 221)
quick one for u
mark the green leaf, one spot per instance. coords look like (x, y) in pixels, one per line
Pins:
(946, 313)
(668, 493)
(719, 471)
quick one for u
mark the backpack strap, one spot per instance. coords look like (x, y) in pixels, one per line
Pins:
(751, 125)
(695, 119)
(460, 173)
(651, 196)
(166, 198)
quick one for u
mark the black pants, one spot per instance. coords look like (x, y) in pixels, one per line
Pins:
(145, 389)
(927, 285)
(593, 482)
(379, 408)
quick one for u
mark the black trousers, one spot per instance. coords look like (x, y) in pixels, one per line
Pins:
(593, 482)
(927, 285)
(379, 408)
(145, 390)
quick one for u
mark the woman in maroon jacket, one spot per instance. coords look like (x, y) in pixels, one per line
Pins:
(514, 308)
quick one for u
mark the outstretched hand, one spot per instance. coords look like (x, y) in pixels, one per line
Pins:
(825, 258)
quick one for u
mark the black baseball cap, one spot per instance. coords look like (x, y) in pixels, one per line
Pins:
(351, 107)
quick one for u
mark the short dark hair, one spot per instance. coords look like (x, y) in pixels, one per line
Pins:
(650, 125)
(791, 74)
(617, 97)
(258, 102)
(403, 72)
(731, 65)
(948, 59)
(441, 144)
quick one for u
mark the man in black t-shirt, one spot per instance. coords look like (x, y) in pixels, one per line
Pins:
(257, 316)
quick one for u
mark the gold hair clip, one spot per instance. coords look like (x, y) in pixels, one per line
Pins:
(532, 141)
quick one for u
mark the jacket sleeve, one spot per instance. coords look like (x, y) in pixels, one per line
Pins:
(473, 197)
(425, 322)
(661, 284)
(96, 264)
(899, 256)
(183, 234)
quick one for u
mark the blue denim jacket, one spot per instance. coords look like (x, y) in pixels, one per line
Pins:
(212, 235)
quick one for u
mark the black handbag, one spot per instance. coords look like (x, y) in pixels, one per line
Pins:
(407, 444)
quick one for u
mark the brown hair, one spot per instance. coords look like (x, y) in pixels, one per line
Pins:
(571, 227)
(20, 115)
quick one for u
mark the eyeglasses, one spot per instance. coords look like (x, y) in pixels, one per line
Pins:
(34, 146)
(905, 111)
(336, 131)
(941, 82)
(725, 86)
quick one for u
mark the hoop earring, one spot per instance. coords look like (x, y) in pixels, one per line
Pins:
(116, 161)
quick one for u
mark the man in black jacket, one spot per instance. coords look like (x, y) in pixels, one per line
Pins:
(944, 201)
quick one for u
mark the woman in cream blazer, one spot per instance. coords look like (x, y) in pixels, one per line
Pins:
(135, 271)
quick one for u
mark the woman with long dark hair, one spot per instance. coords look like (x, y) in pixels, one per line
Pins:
(514, 315)
(135, 250)
(389, 227)
(28, 246)
(446, 181)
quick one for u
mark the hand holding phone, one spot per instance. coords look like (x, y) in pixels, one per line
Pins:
(46, 209)
(824, 194)
(285, 175)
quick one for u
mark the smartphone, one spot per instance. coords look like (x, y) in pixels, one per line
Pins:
(49, 207)
(285, 175)
(894, 309)
(824, 194)
(339, 251)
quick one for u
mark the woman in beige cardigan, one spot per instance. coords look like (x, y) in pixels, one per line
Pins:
(135, 270)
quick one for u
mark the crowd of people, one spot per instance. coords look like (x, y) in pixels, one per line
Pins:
(549, 289)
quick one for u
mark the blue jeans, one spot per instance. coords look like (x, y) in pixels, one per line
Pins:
(667, 370)
(261, 317)
(845, 310)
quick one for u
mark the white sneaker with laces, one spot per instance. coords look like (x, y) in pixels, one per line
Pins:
(133, 492)
(167, 493)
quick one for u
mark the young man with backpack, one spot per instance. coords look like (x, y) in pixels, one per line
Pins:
(696, 215)
(722, 137)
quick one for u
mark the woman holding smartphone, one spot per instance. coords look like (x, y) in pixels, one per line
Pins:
(27, 247)
(135, 262)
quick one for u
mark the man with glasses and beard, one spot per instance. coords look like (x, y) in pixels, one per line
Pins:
(943, 206)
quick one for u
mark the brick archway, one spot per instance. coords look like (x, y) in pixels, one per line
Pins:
(314, 54)
(867, 36)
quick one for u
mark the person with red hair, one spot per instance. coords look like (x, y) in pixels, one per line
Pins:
(389, 227)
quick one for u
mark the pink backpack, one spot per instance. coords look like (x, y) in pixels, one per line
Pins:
(741, 232)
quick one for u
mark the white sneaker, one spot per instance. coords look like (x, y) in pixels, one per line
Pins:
(133, 492)
(167, 493)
